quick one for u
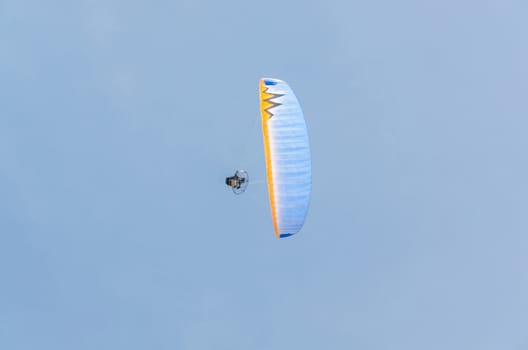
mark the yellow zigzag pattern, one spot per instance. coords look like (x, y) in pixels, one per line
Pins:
(268, 103)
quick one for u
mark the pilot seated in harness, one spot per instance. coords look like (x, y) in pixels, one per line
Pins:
(238, 182)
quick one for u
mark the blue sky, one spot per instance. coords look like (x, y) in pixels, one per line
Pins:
(119, 121)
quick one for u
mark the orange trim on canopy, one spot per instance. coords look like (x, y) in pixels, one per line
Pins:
(265, 105)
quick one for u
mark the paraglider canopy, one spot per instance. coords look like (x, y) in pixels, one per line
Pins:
(238, 182)
(288, 158)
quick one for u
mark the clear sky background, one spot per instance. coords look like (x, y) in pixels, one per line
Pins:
(119, 121)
